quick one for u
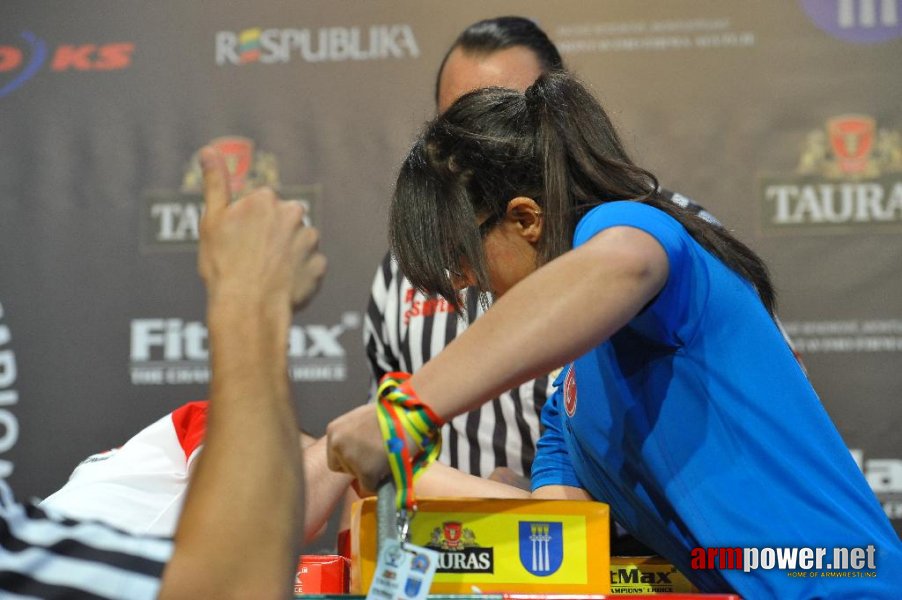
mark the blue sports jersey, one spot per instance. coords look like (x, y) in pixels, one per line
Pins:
(697, 425)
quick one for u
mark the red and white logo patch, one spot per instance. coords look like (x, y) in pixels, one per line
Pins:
(570, 391)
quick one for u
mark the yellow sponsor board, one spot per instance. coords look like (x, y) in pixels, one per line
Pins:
(498, 545)
(502, 534)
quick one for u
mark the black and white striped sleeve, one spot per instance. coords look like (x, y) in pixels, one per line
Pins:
(46, 556)
(377, 321)
(404, 329)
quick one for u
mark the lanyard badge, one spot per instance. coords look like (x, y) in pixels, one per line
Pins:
(404, 571)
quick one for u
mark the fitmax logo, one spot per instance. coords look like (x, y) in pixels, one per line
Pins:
(634, 576)
(173, 351)
(28, 58)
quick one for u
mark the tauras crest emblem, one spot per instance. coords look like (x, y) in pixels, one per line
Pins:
(851, 146)
(249, 168)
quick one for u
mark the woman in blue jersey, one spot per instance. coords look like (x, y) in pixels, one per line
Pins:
(680, 403)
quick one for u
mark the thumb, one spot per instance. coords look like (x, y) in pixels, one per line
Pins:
(216, 180)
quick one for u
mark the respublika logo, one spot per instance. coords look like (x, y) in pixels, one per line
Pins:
(9, 425)
(326, 44)
(23, 60)
(848, 179)
(541, 547)
(174, 351)
(857, 21)
(171, 218)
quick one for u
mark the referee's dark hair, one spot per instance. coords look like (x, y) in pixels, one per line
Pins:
(491, 35)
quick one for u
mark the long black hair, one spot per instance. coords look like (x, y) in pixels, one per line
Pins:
(500, 33)
(554, 144)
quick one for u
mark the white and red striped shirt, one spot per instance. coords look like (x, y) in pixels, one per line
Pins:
(139, 487)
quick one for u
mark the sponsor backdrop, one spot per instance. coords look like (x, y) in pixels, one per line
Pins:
(782, 117)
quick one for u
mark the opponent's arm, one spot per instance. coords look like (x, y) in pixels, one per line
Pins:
(380, 355)
(441, 480)
(324, 490)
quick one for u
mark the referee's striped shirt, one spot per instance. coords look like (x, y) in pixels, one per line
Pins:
(46, 556)
(403, 329)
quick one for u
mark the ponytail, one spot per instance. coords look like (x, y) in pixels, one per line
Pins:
(585, 164)
(554, 144)
(584, 161)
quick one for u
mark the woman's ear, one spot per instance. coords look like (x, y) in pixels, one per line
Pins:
(527, 215)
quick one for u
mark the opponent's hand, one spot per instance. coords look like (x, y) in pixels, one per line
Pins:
(354, 446)
(256, 250)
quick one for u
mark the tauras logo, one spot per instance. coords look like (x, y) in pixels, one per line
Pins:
(174, 351)
(884, 475)
(326, 44)
(9, 425)
(468, 560)
(830, 204)
(172, 218)
(458, 550)
(849, 177)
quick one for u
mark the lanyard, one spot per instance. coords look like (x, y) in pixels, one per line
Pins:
(406, 422)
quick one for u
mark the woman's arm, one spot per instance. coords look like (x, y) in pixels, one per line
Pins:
(551, 317)
(561, 492)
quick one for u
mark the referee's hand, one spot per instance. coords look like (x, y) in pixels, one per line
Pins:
(354, 446)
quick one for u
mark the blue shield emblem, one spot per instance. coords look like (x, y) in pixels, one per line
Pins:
(541, 547)
(412, 587)
(420, 563)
